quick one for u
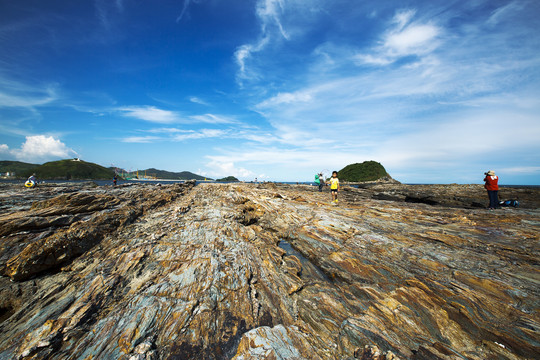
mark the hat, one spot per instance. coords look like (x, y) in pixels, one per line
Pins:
(491, 173)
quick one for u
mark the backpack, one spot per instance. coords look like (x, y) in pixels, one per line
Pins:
(513, 203)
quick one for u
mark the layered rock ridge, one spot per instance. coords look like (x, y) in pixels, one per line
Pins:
(245, 271)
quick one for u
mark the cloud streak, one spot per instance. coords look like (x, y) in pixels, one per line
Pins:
(151, 114)
(269, 14)
(15, 94)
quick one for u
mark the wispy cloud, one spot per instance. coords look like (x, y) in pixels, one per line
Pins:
(201, 134)
(165, 130)
(140, 139)
(106, 10)
(504, 12)
(185, 8)
(161, 116)
(404, 38)
(168, 134)
(269, 14)
(199, 101)
(213, 119)
(151, 114)
(286, 98)
(17, 94)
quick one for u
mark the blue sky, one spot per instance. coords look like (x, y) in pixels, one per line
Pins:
(436, 91)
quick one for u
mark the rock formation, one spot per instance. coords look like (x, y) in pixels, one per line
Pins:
(246, 271)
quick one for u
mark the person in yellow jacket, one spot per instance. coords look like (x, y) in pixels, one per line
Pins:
(334, 186)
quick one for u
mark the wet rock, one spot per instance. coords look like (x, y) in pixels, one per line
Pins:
(267, 271)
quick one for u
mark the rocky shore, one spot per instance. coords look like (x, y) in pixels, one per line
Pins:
(266, 271)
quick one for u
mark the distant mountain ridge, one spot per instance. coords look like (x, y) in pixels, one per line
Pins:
(74, 169)
(169, 175)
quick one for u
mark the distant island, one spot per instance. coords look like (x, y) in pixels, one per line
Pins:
(168, 175)
(76, 169)
(366, 171)
(228, 179)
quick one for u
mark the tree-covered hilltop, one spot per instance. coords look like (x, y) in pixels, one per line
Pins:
(169, 175)
(71, 170)
(16, 167)
(366, 171)
(228, 179)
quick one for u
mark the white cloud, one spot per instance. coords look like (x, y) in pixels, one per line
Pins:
(39, 148)
(213, 119)
(140, 139)
(201, 134)
(405, 38)
(286, 98)
(227, 168)
(151, 113)
(415, 39)
(243, 53)
(269, 12)
(403, 17)
(165, 130)
(197, 100)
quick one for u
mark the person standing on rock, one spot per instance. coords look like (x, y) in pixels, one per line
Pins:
(334, 187)
(319, 181)
(492, 186)
(115, 179)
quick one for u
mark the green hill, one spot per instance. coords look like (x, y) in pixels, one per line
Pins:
(17, 167)
(71, 170)
(228, 179)
(162, 174)
(366, 171)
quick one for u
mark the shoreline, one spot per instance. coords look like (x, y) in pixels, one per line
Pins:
(351, 184)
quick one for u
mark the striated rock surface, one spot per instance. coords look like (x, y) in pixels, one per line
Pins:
(245, 271)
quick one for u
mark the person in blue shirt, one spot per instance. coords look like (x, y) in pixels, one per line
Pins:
(319, 181)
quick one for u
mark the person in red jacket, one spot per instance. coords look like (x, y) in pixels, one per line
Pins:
(492, 187)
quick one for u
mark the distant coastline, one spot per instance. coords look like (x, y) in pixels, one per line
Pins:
(102, 182)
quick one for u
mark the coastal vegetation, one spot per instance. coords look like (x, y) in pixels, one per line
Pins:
(366, 171)
(16, 167)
